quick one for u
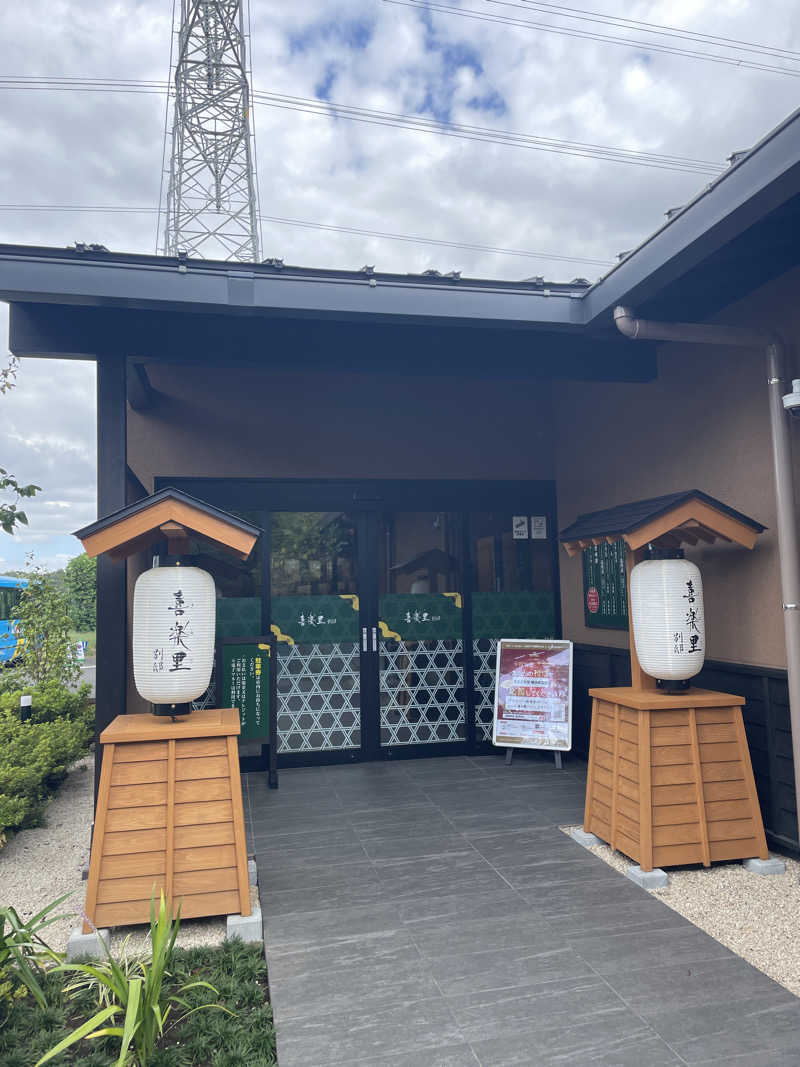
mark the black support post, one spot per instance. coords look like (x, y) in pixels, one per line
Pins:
(112, 613)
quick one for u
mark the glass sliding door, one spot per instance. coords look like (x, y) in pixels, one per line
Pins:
(420, 629)
(315, 618)
(513, 594)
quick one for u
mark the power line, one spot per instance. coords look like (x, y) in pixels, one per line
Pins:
(544, 27)
(418, 123)
(583, 15)
(305, 224)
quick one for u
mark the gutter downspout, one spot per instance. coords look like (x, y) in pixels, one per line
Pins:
(788, 547)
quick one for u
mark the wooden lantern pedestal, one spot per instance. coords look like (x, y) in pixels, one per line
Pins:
(670, 780)
(169, 817)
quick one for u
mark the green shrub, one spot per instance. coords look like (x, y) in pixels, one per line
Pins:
(23, 952)
(35, 754)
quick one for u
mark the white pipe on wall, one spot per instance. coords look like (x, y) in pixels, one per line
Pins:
(788, 542)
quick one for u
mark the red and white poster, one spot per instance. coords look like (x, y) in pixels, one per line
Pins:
(533, 695)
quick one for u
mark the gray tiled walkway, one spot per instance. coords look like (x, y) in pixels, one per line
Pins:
(429, 913)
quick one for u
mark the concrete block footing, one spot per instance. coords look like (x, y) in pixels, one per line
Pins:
(586, 839)
(246, 927)
(771, 866)
(87, 946)
(252, 872)
(655, 879)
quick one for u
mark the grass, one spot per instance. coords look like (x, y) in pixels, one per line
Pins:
(90, 636)
(205, 1039)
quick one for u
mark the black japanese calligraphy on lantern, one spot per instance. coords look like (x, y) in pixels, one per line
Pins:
(694, 643)
(691, 620)
(690, 594)
(677, 642)
(177, 662)
(179, 607)
(177, 634)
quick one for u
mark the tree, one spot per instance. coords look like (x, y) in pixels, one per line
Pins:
(80, 581)
(45, 624)
(10, 513)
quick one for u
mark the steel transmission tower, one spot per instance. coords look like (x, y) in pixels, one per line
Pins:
(211, 206)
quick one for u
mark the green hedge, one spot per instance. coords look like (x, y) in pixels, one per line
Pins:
(35, 754)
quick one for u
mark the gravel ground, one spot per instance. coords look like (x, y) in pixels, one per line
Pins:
(754, 915)
(41, 864)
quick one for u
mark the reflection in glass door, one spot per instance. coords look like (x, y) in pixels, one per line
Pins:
(513, 595)
(420, 642)
(315, 618)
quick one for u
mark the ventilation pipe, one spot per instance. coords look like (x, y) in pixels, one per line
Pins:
(788, 547)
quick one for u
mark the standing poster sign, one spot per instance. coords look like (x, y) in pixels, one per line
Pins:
(533, 695)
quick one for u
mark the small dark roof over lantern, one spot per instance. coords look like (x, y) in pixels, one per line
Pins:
(688, 517)
(167, 515)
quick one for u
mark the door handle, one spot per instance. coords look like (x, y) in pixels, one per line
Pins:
(374, 638)
(364, 639)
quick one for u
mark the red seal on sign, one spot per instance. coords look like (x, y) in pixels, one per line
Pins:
(593, 600)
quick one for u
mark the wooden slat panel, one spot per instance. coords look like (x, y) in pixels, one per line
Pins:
(735, 790)
(628, 847)
(628, 751)
(698, 782)
(678, 717)
(711, 715)
(688, 833)
(601, 810)
(730, 829)
(208, 834)
(629, 770)
(200, 746)
(128, 866)
(730, 771)
(629, 732)
(627, 788)
(199, 813)
(604, 759)
(728, 809)
(122, 914)
(724, 731)
(116, 890)
(204, 859)
(627, 827)
(669, 735)
(137, 796)
(675, 814)
(201, 767)
(137, 818)
(628, 808)
(107, 764)
(239, 834)
(215, 880)
(137, 773)
(118, 844)
(673, 794)
(209, 904)
(600, 828)
(677, 774)
(677, 855)
(628, 716)
(602, 793)
(141, 751)
(719, 751)
(742, 849)
(605, 743)
(210, 789)
(602, 777)
(672, 755)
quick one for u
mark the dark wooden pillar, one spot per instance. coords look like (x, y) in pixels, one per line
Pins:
(112, 464)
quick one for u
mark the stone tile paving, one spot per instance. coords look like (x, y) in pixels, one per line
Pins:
(429, 913)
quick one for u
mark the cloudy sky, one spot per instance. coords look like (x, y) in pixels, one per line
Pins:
(529, 68)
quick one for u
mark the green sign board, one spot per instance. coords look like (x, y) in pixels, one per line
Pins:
(521, 614)
(245, 670)
(302, 620)
(420, 616)
(605, 589)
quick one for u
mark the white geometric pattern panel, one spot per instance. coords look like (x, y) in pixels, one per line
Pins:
(319, 695)
(484, 653)
(422, 692)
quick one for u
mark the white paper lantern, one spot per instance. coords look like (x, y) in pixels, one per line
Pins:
(174, 620)
(667, 618)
